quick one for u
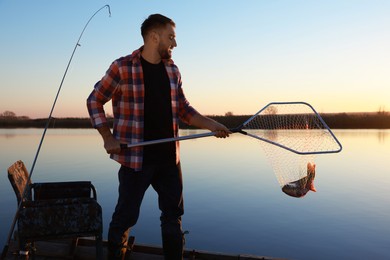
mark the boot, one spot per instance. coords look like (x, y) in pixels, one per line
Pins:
(116, 251)
(173, 247)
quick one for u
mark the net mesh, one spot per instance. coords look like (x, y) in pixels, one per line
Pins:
(296, 127)
(293, 126)
(288, 167)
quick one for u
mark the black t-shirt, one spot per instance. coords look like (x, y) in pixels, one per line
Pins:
(157, 114)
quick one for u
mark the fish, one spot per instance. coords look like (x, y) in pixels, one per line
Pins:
(301, 187)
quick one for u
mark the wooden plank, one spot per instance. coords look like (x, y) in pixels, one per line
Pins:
(143, 250)
(85, 250)
(19, 177)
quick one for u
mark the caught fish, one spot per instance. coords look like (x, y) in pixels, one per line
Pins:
(302, 186)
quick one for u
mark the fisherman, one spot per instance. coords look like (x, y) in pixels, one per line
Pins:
(148, 101)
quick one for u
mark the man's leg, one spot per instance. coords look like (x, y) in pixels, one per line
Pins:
(169, 185)
(132, 187)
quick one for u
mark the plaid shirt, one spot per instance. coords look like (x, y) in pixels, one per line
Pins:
(123, 84)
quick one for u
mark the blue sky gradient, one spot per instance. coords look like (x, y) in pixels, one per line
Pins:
(234, 56)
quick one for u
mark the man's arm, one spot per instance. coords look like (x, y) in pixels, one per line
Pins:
(101, 94)
(204, 122)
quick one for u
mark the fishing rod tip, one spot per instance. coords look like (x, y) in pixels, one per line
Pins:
(109, 10)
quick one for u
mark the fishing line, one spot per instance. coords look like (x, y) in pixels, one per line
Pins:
(4, 253)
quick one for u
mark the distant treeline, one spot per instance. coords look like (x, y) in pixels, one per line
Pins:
(379, 120)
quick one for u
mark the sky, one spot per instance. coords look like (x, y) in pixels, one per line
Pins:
(234, 56)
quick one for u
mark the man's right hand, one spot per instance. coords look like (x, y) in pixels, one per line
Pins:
(111, 144)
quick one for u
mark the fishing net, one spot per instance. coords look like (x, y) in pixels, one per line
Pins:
(288, 167)
(296, 128)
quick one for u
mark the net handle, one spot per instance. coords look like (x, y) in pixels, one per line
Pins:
(180, 138)
(239, 130)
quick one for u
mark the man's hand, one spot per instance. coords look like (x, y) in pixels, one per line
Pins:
(204, 122)
(221, 131)
(111, 144)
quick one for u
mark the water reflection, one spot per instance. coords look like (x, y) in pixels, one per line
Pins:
(382, 135)
(233, 201)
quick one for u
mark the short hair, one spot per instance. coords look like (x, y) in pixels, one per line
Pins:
(155, 21)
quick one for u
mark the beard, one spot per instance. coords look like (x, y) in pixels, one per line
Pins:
(165, 52)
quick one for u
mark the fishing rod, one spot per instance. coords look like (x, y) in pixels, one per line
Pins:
(6, 246)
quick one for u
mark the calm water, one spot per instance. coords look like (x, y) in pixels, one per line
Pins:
(233, 202)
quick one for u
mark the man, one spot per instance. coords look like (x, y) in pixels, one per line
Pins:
(147, 99)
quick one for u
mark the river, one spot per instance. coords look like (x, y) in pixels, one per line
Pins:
(233, 202)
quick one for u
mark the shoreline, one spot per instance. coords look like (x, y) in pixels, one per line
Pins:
(379, 120)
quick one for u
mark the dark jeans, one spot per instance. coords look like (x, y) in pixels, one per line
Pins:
(167, 182)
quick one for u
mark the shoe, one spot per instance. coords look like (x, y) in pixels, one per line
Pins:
(116, 251)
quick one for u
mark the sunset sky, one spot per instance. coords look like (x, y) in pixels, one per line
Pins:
(234, 56)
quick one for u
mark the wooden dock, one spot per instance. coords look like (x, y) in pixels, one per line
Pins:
(85, 250)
